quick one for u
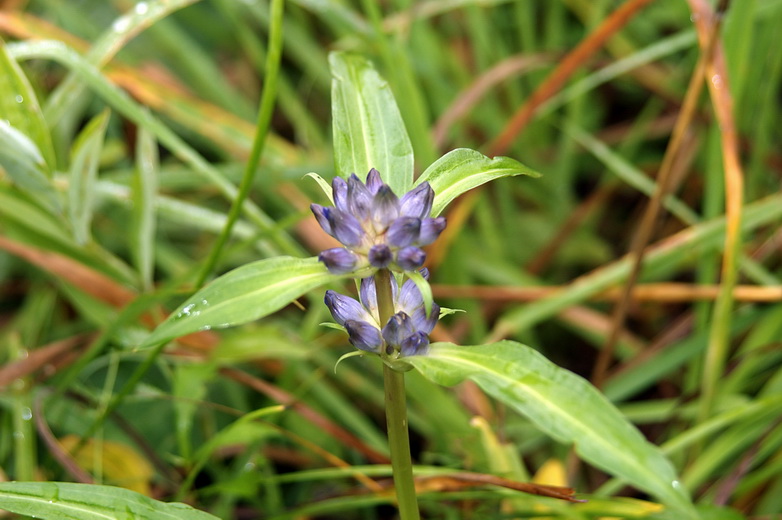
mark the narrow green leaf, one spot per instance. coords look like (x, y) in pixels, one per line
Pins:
(325, 186)
(120, 101)
(189, 385)
(22, 160)
(367, 126)
(83, 175)
(125, 28)
(245, 294)
(463, 169)
(425, 288)
(48, 232)
(68, 501)
(19, 106)
(244, 430)
(564, 406)
(145, 186)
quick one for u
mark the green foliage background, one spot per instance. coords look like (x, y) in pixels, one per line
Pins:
(107, 217)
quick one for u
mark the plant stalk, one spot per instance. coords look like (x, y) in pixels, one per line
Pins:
(268, 98)
(396, 413)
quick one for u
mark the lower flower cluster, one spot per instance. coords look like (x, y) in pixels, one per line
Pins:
(405, 333)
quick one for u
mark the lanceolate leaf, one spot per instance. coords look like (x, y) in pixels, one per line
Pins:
(245, 294)
(564, 406)
(68, 501)
(368, 128)
(19, 106)
(463, 169)
(22, 161)
(83, 175)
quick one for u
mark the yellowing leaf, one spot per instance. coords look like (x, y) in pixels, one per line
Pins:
(122, 465)
(552, 473)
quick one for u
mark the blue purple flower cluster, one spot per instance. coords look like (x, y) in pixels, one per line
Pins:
(406, 332)
(377, 227)
(383, 231)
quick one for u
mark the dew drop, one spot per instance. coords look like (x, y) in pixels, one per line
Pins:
(19, 435)
(676, 484)
(54, 495)
(120, 24)
(19, 98)
(716, 81)
(694, 17)
(250, 466)
(188, 310)
(141, 8)
(27, 414)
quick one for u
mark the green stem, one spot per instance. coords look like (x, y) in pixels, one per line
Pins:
(268, 96)
(396, 413)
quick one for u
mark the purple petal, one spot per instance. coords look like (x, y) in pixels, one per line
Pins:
(385, 208)
(368, 294)
(415, 345)
(322, 216)
(338, 260)
(398, 328)
(425, 273)
(410, 258)
(339, 192)
(403, 231)
(344, 308)
(364, 336)
(380, 256)
(347, 229)
(410, 297)
(430, 230)
(418, 201)
(359, 198)
(374, 182)
(423, 324)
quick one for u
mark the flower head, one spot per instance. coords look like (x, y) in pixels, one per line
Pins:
(406, 332)
(377, 227)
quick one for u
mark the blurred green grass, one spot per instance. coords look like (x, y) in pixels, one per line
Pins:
(183, 83)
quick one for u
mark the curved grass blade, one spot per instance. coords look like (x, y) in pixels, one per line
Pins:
(84, 174)
(564, 406)
(23, 162)
(247, 293)
(122, 103)
(144, 195)
(368, 128)
(68, 501)
(19, 106)
(463, 169)
(124, 29)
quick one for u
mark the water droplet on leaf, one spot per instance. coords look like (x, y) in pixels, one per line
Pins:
(141, 8)
(121, 24)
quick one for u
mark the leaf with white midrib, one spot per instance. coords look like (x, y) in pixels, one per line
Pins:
(564, 406)
(66, 501)
(463, 169)
(247, 293)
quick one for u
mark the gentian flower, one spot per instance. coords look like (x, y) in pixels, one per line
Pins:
(377, 227)
(406, 332)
